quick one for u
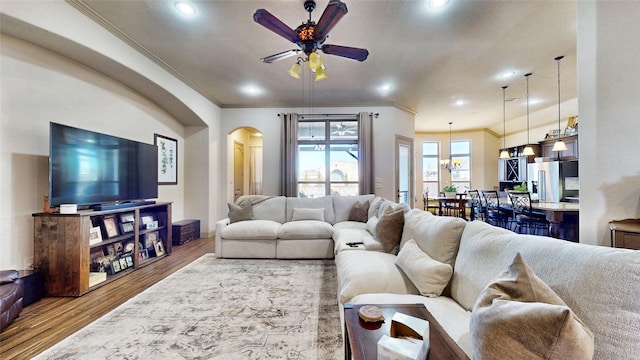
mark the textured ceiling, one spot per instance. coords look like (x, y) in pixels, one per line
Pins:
(429, 59)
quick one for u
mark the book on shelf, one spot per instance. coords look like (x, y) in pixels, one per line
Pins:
(96, 278)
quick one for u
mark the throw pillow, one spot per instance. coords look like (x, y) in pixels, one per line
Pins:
(389, 230)
(429, 276)
(307, 214)
(359, 212)
(240, 212)
(519, 314)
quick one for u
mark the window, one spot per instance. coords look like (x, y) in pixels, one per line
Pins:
(327, 158)
(461, 178)
(430, 168)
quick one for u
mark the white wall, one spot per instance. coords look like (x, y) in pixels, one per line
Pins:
(38, 86)
(608, 89)
(391, 121)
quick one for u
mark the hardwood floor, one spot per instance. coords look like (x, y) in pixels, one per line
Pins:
(46, 322)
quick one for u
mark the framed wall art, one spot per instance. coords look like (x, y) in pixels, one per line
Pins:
(167, 159)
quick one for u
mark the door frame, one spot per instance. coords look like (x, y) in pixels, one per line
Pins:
(408, 142)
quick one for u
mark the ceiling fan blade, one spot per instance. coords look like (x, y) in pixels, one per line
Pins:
(330, 17)
(266, 19)
(277, 57)
(346, 51)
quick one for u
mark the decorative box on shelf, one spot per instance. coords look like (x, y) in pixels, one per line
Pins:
(185, 231)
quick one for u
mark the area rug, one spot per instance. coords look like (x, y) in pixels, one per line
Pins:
(221, 309)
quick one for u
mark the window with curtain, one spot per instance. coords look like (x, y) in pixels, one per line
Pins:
(461, 178)
(430, 168)
(327, 157)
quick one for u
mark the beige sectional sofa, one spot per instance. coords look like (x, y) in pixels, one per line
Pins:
(298, 228)
(601, 285)
(452, 267)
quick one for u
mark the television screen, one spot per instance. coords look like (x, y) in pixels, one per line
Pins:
(88, 168)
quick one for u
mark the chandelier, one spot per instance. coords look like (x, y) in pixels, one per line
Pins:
(450, 164)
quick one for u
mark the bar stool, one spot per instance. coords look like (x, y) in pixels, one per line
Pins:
(476, 205)
(527, 222)
(494, 214)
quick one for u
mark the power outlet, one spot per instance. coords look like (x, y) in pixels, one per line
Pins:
(28, 263)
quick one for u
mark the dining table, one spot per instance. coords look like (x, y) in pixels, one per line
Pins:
(445, 202)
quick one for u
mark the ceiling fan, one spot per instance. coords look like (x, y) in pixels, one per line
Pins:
(310, 36)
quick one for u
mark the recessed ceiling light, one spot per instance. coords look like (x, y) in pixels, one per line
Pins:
(252, 90)
(508, 74)
(437, 3)
(385, 89)
(186, 8)
(459, 102)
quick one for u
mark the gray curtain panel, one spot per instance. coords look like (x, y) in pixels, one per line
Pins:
(365, 153)
(289, 149)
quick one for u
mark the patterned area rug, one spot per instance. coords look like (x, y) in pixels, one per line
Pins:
(221, 309)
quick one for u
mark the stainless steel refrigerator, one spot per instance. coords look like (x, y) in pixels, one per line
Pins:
(553, 181)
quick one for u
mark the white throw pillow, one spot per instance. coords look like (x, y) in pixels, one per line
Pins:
(307, 214)
(429, 276)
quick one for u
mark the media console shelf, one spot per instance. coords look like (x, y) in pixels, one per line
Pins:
(80, 252)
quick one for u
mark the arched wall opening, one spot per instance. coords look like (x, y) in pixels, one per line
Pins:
(244, 163)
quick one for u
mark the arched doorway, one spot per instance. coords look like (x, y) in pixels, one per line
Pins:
(244, 163)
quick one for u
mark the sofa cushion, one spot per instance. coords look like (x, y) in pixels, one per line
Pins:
(240, 212)
(342, 205)
(307, 214)
(438, 236)
(389, 230)
(374, 206)
(359, 212)
(518, 313)
(594, 281)
(273, 208)
(251, 230)
(305, 229)
(387, 205)
(362, 272)
(429, 276)
(324, 202)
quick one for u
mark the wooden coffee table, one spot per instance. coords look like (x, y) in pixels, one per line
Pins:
(361, 338)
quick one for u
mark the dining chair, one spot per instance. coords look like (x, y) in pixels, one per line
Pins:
(456, 207)
(526, 220)
(430, 205)
(495, 215)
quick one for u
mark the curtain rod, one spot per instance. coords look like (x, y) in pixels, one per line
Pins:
(328, 115)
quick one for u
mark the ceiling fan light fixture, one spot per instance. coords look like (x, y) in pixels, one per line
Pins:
(314, 61)
(320, 74)
(295, 70)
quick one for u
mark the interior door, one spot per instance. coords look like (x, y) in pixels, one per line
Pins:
(404, 170)
(238, 170)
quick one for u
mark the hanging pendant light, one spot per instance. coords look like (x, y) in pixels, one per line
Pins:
(559, 145)
(504, 154)
(450, 164)
(528, 150)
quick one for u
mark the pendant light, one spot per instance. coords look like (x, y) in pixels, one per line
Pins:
(450, 164)
(504, 154)
(559, 145)
(528, 150)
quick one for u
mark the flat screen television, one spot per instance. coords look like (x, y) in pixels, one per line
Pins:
(90, 168)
